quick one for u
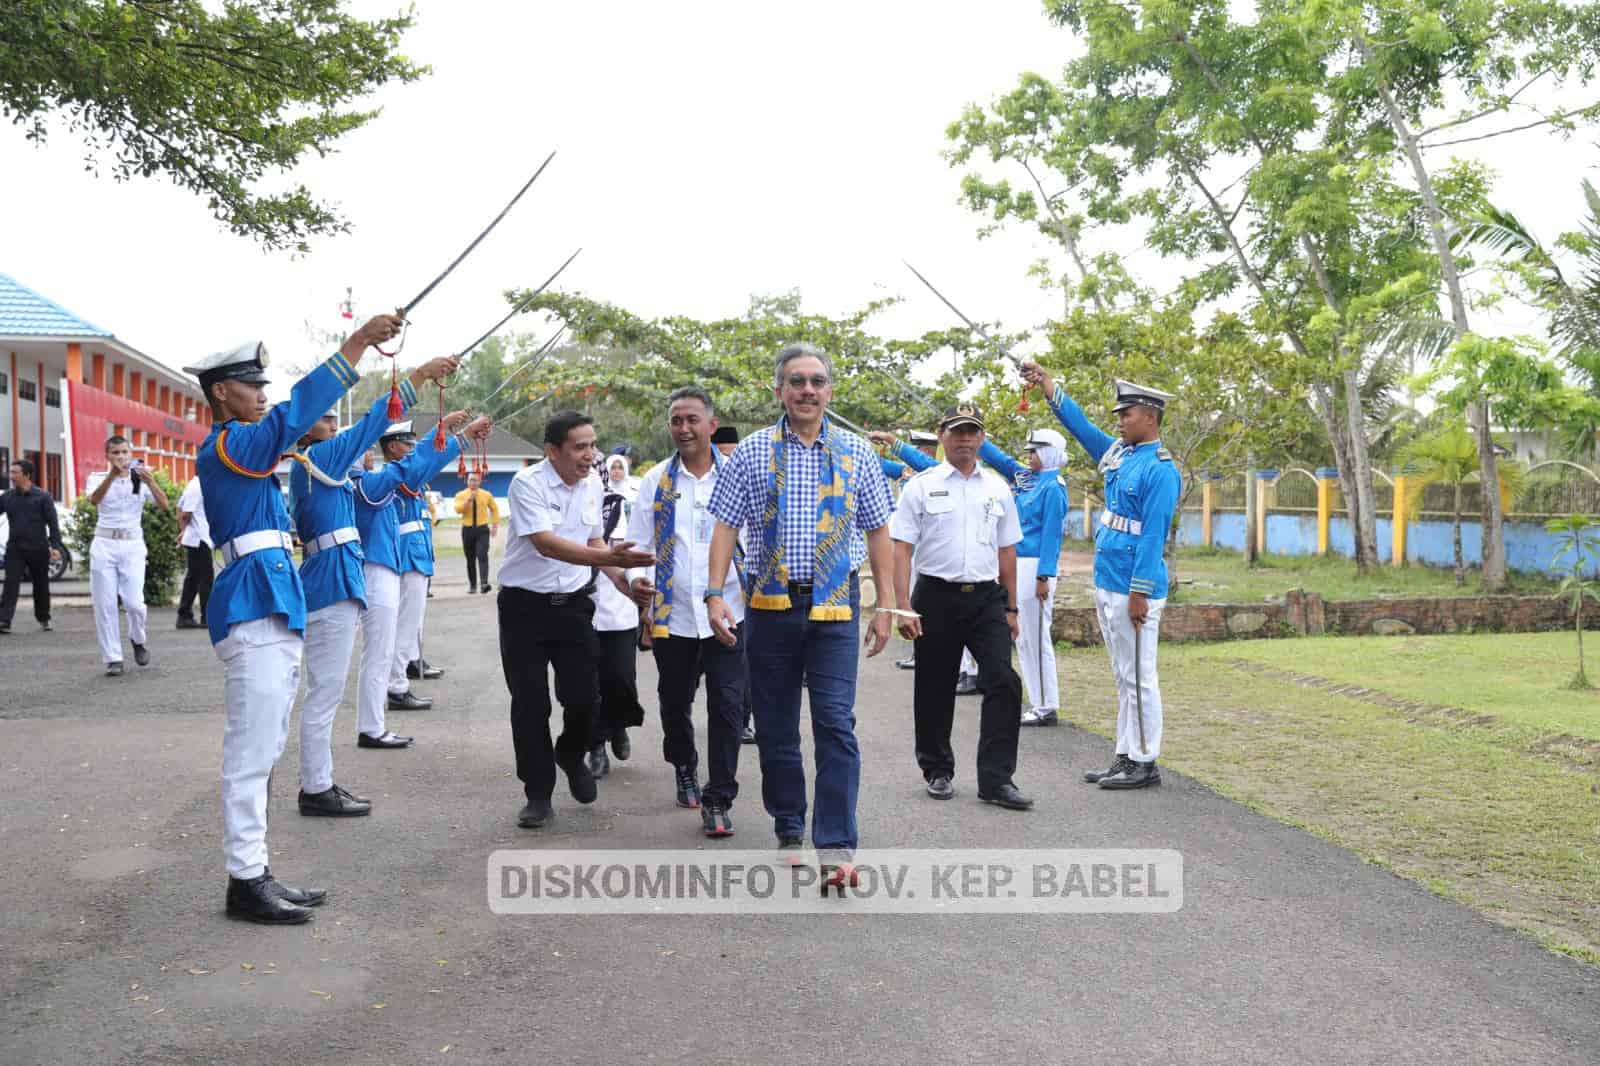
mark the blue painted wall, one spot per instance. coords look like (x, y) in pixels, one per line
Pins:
(447, 484)
(1529, 547)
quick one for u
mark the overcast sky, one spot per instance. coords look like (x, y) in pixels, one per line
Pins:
(706, 151)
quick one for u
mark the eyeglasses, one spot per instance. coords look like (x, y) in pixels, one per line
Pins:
(816, 381)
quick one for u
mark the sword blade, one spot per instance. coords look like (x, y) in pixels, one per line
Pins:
(979, 330)
(528, 364)
(415, 300)
(521, 306)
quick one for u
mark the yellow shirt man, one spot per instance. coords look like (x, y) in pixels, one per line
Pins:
(480, 522)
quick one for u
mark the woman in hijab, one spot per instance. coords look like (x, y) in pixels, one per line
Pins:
(616, 623)
(1042, 508)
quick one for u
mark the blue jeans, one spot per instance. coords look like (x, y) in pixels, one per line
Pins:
(786, 650)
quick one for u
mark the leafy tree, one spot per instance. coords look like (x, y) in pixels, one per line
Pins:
(215, 97)
(1577, 586)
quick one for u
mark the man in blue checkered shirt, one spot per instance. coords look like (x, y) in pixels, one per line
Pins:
(790, 645)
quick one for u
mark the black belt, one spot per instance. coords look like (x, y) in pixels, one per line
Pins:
(958, 586)
(551, 599)
(803, 588)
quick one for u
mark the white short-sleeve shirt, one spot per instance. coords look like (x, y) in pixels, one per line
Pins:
(540, 502)
(958, 524)
(121, 507)
(197, 532)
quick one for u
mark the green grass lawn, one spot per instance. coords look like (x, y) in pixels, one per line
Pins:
(1214, 575)
(1497, 807)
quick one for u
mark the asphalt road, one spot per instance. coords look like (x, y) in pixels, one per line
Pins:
(114, 948)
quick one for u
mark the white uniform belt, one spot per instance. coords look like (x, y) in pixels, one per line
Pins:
(331, 540)
(261, 540)
(1121, 524)
(119, 534)
(412, 527)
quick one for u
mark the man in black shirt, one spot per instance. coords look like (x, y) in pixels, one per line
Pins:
(34, 543)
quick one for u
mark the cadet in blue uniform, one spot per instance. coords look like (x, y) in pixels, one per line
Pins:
(258, 609)
(384, 527)
(322, 501)
(416, 578)
(1130, 569)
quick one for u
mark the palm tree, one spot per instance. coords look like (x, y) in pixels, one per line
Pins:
(1449, 456)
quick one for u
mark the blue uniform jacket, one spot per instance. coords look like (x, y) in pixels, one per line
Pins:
(236, 466)
(378, 495)
(334, 575)
(1142, 484)
(416, 549)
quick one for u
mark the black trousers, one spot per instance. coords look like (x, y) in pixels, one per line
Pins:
(37, 562)
(197, 578)
(535, 635)
(680, 661)
(617, 682)
(475, 545)
(971, 615)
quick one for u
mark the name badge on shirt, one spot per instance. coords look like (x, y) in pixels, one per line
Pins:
(702, 523)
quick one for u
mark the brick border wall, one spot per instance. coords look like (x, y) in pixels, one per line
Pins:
(1302, 613)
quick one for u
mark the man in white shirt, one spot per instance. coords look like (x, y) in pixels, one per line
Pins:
(194, 536)
(673, 519)
(546, 609)
(117, 553)
(961, 522)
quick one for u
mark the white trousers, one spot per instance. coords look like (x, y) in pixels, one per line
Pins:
(116, 568)
(408, 629)
(1036, 652)
(1118, 631)
(330, 641)
(260, 672)
(377, 646)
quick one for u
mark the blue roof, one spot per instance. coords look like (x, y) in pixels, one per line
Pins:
(24, 313)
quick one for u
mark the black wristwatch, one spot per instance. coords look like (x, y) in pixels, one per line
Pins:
(1012, 610)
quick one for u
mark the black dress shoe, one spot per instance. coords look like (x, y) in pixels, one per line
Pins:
(599, 762)
(189, 623)
(302, 897)
(1133, 775)
(413, 672)
(409, 701)
(940, 788)
(1040, 718)
(430, 672)
(1008, 796)
(141, 655)
(46, 626)
(261, 899)
(388, 740)
(621, 746)
(114, 669)
(966, 685)
(534, 814)
(486, 587)
(580, 782)
(1094, 777)
(334, 803)
(5, 627)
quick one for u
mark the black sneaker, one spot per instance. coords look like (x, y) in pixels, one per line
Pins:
(1094, 777)
(908, 663)
(714, 817)
(688, 787)
(1133, 775)
(621, 746)
(791, 850)
(141, 655)
(114, 669)
(5, 627)
(189, 623)
(46, 626)
(940, 788)
(599, 763)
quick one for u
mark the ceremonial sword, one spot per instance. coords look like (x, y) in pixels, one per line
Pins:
(532, 361)
(522, 306)
(1138, 687)
(418, 298)
(979, 330)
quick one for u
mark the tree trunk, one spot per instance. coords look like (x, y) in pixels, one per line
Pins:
(1494, 544)
(1361, 473)
(1461, 566)
(1327, 410)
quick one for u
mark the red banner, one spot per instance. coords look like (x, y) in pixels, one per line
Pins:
(95, 416)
